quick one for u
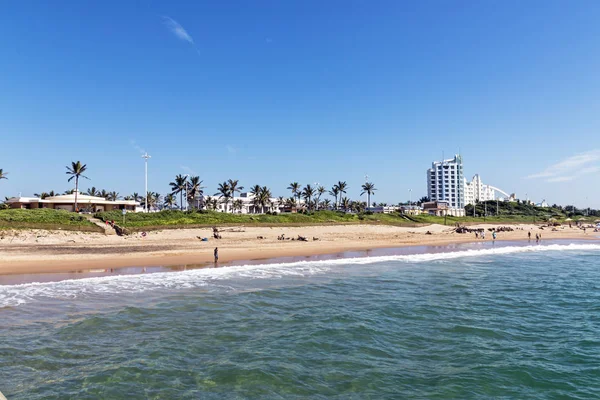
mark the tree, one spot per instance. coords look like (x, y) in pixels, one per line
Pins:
(295, 188)
(92, 192)
(195, 188)
(3, 174)
(265, 197)
(334, 192)
(234, 187)
(325, 204)
(369, 189)
(280, 202)
(345, 203)
(178, 187)
(307, 193)
(423, 199)
(341, 187)
(76, 171)
(255, 192)
(113, 196)
(320, 191)
(208, 201)
(224, 193)
(290, 203)
(170, 200)
(237, 205)
(104, 194)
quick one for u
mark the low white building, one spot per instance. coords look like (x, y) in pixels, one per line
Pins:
(67, 202)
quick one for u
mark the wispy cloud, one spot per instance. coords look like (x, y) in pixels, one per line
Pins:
(188, 170)
(571, 167)
(179, 31)
(231, 149)
(135, 146)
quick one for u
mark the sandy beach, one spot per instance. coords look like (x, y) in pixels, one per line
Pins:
(36, 251)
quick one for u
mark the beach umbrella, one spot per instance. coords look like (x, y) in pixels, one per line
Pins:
(583, 219)
(569, 219)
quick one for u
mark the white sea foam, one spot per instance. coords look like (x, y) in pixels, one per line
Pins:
(13, 295)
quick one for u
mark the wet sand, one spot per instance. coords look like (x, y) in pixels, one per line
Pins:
(35, 251)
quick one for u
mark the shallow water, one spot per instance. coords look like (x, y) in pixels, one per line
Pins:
(504, 322)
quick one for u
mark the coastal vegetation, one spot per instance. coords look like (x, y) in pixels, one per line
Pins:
(44, 218)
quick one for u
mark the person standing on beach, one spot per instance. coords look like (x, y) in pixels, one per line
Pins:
(494, 235)
(216, 252)
(529, 235)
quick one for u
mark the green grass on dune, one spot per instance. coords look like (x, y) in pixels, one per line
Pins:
(176, 219)
(45, 219)
(180, 219)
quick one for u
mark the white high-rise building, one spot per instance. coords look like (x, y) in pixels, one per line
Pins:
(476, 191)
(445, 182)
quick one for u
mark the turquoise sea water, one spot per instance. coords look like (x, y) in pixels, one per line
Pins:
(504, 322)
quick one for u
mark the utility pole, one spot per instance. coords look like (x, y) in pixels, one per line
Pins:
(146, 157)
(186, 192)
(410, 201)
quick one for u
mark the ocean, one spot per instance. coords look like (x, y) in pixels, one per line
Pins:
(479, 321)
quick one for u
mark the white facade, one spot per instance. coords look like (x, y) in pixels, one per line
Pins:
(67, 202)
(445, 182)
(476, 191)
(248, 206)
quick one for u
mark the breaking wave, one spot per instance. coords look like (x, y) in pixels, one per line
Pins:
(14, 295)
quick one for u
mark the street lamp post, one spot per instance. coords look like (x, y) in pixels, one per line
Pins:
(186, 192)
(410, 201)
(146, 157)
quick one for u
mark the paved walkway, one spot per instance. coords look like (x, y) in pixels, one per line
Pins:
(108, 230)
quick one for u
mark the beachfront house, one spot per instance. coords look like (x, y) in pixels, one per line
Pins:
(245, 204)
(85, 203)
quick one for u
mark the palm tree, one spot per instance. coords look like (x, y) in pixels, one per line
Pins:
(237, 205)
(307, 193)
(113, 196)
(76, 171)
(136, 196)
(224, 193)
(345, 203)
(264, 197)
(280, 202)
(178, 187)
(320, 191)
(334, 192)
(92, 192)
(342, 187)
(170, 200)
(369, 189)
(208, 202)
(290, 203)
(195, 188)
(3, 174)
(295, 188)
(255, 192)
(325, 204)
(234, 187)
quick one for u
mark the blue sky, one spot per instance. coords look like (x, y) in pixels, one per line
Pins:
(270, 92)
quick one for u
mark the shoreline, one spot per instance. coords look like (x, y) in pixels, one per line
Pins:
(407, 250)
(80, 253)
